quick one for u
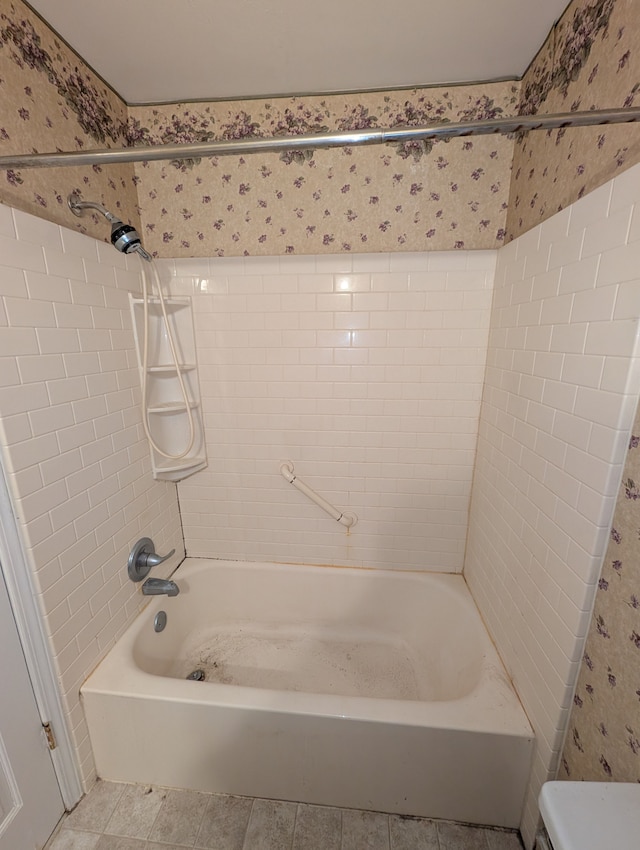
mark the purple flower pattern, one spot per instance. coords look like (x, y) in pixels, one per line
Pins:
(53, 101)
(430, 195)
(393, 198)
(589, 61)
(602, 744)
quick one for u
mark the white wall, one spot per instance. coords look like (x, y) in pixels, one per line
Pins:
(367, 373)
(76, 460)
(559, 399)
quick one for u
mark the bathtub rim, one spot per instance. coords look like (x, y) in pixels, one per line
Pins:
(491, 707)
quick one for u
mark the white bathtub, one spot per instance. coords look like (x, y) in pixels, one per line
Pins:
(355, 688)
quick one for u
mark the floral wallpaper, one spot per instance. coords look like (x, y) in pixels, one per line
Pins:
(590, 60)
(603, 741)
(407, 197)
(457, 194)
(50, 100)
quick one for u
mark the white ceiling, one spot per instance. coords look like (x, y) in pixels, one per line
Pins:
(172, 50)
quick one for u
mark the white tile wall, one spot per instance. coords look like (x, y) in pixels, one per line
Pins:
(366, 373)
(73, 449)
(560, 394)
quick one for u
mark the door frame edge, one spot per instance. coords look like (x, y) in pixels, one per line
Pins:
(35, 645)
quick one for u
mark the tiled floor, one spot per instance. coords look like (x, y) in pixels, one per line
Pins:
(116, 816)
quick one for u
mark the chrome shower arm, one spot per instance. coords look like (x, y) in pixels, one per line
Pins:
(124, 237)
(77, 207)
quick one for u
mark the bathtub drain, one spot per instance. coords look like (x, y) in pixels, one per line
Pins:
(196, 676)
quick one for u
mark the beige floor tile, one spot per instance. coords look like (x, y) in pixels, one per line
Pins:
(73, 839)
(412, 833)
(179, 818)
(224, 823)
(93, 812)
(151, 845)
(365, 831)
(503, 840)
(455, 836)
(119, 816)
(136, 811)
(120, 842)
(270, 826)
(317, 828)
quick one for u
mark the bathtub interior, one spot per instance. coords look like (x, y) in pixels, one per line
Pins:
(319, 630)
(296, 730)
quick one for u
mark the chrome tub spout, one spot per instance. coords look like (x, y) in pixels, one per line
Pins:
(160, 587)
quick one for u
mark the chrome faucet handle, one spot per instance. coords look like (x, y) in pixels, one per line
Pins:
(152, 559)
(142, 557)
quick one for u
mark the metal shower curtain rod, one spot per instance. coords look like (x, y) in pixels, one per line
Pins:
(440, 130)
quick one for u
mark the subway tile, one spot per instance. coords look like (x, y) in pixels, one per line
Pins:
(607, 235)
(67, 390)
(73, 316)
(594, 305)
(12, 282)
(439, 261)
(583, 369)
(88, 294)
(344, 283)
(334, 263)
(628, 300)
(47, 287)
(427, 281)
(315, 283)
(29, 313)
(57, 340)
(63, 265)
(44, 367)
(373, 263)
(634, 227)
(593, 208)
(619, 264)
(35, 450)
(579, 276)
(620, 376)
(599, 406)
(78, 245)
(38, 231)
(60, 466)
(565, 252)
(21, 255)
(7, 226)
(616, 338)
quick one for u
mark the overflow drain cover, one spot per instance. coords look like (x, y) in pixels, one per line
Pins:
(196, 676)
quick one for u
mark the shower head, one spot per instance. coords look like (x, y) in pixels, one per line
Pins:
(124, 237)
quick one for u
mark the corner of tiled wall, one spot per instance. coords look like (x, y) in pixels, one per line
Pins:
(560, 394)
(74, 453)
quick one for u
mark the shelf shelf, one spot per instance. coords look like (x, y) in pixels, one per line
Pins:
(168, 411)
(173, 407)
(177, 470)
(169, 302)
(170, 369)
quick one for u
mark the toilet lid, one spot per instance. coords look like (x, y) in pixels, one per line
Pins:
(592, 815)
